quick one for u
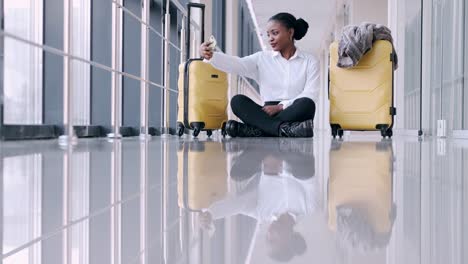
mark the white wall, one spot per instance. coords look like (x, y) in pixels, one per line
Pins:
(208, 17)
(374, 11)
(232, 21)
(232, 37)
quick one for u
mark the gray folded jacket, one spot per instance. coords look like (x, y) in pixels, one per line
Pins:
(357, 40)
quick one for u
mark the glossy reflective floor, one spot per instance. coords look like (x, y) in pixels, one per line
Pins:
(235, 201)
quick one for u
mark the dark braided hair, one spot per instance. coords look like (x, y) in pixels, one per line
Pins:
(300, 26)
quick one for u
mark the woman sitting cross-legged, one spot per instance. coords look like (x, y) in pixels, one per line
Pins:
(289, 81)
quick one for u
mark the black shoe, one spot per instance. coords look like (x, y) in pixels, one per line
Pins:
(237, 129)
(297, 129)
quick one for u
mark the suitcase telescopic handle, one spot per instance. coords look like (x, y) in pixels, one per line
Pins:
(189, 16)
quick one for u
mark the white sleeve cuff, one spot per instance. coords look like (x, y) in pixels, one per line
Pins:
(208, 61)
(285, 103)
(213, 59)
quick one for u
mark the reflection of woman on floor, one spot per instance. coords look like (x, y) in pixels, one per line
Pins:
(275, 188)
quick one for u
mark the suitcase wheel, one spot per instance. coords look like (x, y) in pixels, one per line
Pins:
(197, 128)
(180, 129)
(389, 133)
(340, 133)
(335, 130)
(196, 132)
(223, 130)
(385, 131)
(209, 133)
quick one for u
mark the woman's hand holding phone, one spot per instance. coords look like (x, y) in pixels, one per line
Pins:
(205, 51)
(207, 48)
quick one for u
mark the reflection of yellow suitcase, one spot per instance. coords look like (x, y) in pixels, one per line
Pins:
(203, 92)
(202, 174)
(360, 190)
(361, 98)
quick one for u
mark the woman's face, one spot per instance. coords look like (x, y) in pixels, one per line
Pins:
(279, 36)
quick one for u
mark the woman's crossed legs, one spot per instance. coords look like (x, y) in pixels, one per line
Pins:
(301, 112)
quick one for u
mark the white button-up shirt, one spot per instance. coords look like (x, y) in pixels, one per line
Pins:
(279, 79)
(274, 196)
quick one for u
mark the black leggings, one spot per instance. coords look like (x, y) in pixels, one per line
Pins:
(252, 114)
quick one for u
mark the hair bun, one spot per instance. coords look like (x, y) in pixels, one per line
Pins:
(300, 29)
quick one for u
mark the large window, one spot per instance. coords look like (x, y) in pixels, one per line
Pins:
(448, 69)
(219, 22)
(412, 64)
(81, 71)
(23, 63)
(447, 62)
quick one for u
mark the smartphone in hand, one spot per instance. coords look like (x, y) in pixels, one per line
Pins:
(212, 42)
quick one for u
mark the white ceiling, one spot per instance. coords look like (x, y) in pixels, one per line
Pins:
(320, 14)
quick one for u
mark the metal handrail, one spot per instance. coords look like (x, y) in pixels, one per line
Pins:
(244, 86)
(56, 51)
(247, 82)
(152, 29)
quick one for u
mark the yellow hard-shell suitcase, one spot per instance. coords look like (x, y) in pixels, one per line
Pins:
(203, 92)
(361, 179)
(202, 177)
(361, 98)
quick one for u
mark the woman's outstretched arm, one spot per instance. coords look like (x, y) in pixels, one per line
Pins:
(245, 66)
